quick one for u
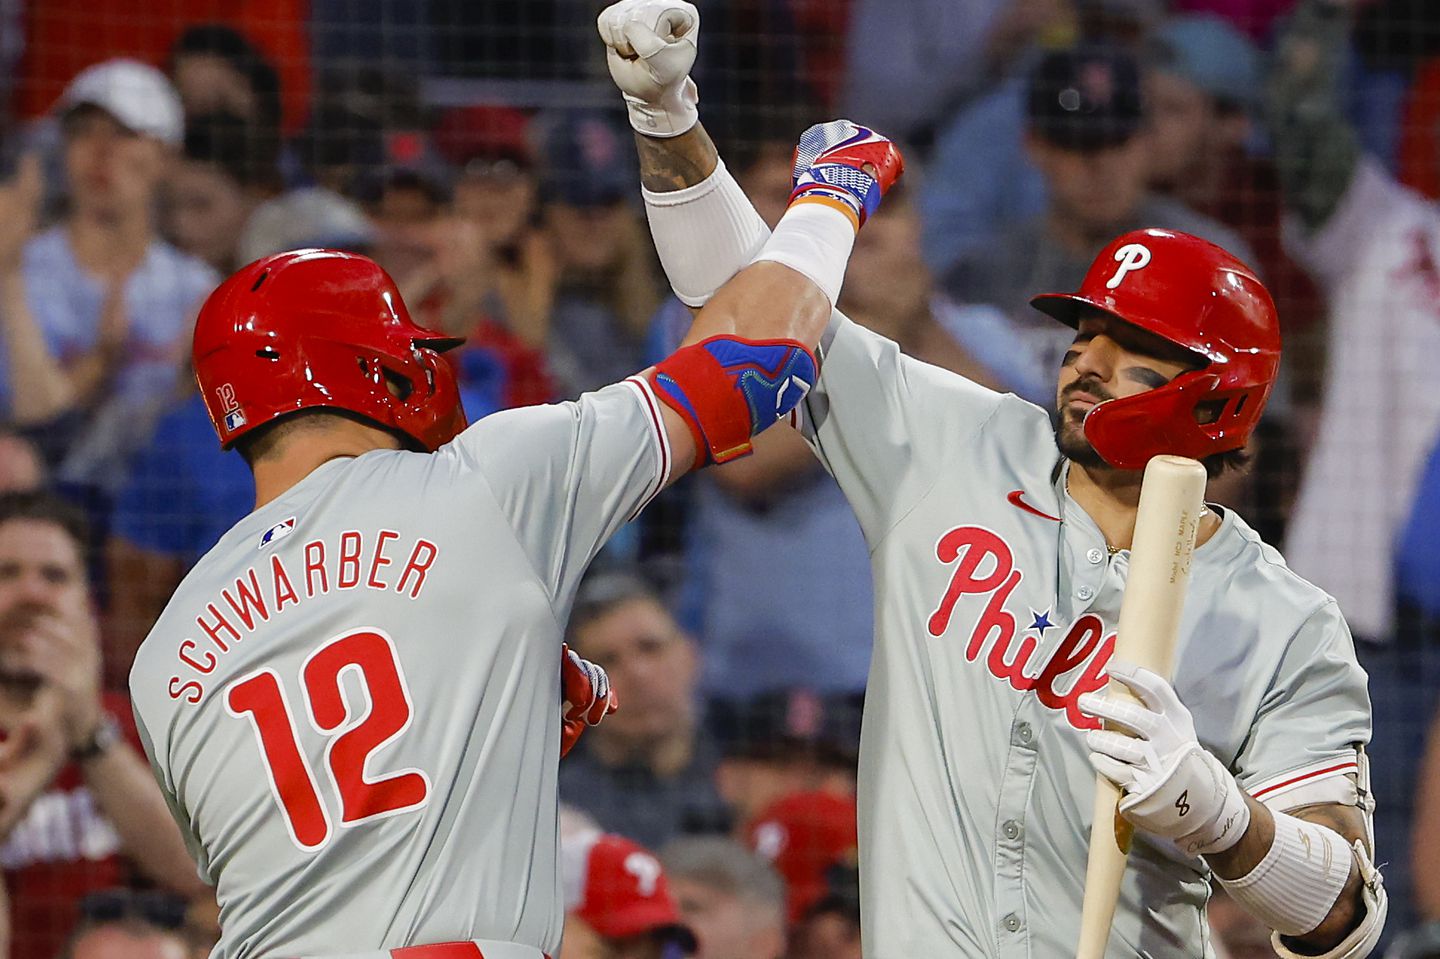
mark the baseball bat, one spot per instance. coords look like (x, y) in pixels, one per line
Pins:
(1172, 498)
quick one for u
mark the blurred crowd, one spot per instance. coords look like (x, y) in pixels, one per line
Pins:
(472, 150)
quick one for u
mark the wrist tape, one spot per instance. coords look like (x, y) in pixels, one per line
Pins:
(1293, 888)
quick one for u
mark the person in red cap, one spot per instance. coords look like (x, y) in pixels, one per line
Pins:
(618, 902)
(805, 835)
(999, 540)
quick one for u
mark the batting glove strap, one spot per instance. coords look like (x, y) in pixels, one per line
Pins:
(1293, 888)
(676, 113)
(1198, 805)
(830, 167)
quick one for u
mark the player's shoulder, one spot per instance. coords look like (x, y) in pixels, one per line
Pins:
(1248, 571)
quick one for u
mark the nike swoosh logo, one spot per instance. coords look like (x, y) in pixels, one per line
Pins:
(1016, 498)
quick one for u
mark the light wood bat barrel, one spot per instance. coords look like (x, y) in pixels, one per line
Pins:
(1172, 497)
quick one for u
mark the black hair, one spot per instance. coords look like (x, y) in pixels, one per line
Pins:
(259, 442)
(221, 40)
(45, 507)
(602, 592)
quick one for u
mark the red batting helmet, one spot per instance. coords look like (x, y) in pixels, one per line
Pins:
(1197, 296)
(322, 329)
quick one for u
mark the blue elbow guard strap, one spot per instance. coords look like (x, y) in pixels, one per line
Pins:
(727, 389)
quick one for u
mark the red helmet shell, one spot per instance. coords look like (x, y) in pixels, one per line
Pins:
(313, 329)
(1194, 294)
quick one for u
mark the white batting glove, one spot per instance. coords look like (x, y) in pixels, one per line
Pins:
(650, 47)
(1173, 787)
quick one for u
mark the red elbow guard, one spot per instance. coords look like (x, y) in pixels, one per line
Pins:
(727, 389)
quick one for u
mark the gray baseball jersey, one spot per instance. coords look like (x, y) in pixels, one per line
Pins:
(996, 604)
(353, 701)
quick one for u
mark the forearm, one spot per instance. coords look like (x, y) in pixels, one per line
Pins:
(674, 163)
(765, 301)
(1241, 860)
(40, 389)
(124, 788)
(704, 227)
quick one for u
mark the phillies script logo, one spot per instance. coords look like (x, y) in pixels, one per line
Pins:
(985, 566)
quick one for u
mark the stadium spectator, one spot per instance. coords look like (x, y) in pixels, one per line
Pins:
(649, 776)
(77, 794)
(225, 173)
(980, 176)
(831, 929)
(97, 309)
(782, 743)
(608, 285)
(489, 275)
(732, 898)
(1085, 136)
(1425, 845)
(181, 495)
(618, 901)
(1204, 80)
(1368, 508)
(216, 69)
(126, 924)
(806, 835)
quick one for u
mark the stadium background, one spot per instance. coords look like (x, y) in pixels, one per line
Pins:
(476, 150)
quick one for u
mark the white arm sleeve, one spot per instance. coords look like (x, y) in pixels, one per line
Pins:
(704, 234)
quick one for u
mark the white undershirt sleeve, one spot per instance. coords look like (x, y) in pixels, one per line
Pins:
(704, 234)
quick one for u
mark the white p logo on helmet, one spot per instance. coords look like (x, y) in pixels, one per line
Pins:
(1131, 256)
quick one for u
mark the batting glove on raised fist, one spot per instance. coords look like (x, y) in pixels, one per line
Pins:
(585, 688)
(1173, 787)
(650, 47)
(847, 166)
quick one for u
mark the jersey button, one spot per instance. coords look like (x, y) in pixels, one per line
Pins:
(1012, 923)
(1095, 555)
(1025, 733)
(1085, 592)
(1011, 829)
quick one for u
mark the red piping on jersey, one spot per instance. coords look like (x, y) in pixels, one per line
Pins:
(443, 950)
(1015, 500)
(1349, 764)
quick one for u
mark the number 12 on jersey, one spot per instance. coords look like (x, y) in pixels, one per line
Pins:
(352, 736)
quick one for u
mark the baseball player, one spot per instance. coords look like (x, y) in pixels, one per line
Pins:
(1000, 561)
(353, 701)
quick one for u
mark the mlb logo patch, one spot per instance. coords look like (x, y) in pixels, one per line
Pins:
(230, 407)
(276, 532)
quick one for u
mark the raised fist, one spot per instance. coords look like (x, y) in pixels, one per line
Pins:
(650, 47)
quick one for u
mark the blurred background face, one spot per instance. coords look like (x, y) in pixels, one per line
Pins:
(208, 83)
(1095, 191)
(500, 196)
(1186, 129)
(404, 218)
(652, 665)
(110, 169)
(589, 238)
(727, 926)
(119, 942)
(207, 212)
(40, 569)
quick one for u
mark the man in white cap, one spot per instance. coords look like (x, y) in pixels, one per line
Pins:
(96, 311)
